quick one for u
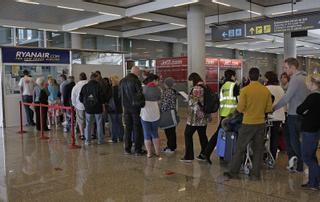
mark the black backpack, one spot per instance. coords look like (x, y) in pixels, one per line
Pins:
(210, 99)
(91, 100)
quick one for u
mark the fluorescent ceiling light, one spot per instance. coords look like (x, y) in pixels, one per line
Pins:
(144, 19)
(71, 8)
(50, 30)
(153, 40)
(108, 35)
(183, 4)
(242, 43)
(78, 32)
(176, 24)
(9, 26)
(112, 14)
(217, 2)
(88, 25)
(283, 12)
(221, 46)
(257, 42)
(309, 56)
(253, 12)
(27, 2)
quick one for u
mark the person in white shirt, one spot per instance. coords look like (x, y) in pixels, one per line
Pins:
(278, 116)
(80, 113)
(26, 85)
(150, 114)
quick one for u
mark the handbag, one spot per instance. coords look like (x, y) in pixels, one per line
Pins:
(168, 119)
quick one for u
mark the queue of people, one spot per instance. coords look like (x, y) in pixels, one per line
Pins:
(146, 107)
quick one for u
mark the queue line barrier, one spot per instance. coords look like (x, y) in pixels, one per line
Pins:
(73, 144)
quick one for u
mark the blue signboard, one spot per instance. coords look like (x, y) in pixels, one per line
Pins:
(227, 32)
(35, 56)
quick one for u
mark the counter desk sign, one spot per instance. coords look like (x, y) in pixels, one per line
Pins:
(35, 56)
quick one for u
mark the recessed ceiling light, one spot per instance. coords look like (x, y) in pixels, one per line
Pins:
(284, 12)
(183, 4)
(224, 4)
(253, 12)
(71, 8)
(27, 2)
(108, 35)
(111, 14)
(176, 24)
(153, 40)
(143, 19)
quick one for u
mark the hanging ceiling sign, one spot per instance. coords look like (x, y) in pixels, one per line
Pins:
(281, 24)
(227, 32)
(284, 24)
(35, 56)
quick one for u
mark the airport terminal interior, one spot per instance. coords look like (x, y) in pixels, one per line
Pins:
(45, 148)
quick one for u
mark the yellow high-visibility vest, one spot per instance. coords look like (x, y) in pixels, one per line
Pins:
(228, 102)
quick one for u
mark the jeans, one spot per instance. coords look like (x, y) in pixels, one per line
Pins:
(150, 129)
(188, 133)
(116, 127)
(254, 134)
(133, 126)
(89, 120)
(293, 139)
(29, 111)
(275, 130)
(213, 141)
(171, 138)
(309, 154)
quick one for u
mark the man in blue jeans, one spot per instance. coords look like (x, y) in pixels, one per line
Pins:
(295, 95)
(26, 85)
(92, 97)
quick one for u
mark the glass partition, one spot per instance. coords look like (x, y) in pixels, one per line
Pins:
(58, 39)
(6, 36)
(29, 37)
(96, 58)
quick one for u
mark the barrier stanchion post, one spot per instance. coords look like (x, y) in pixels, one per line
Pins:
(73, 137)
(21, 131)
(42, 136)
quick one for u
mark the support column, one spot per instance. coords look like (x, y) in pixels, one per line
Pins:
(76, 41)
(196, 40)
(290, 48)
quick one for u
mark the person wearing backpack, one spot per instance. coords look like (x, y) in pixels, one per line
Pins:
(93, 98)
(228, 104)
(197, 118)
(114, 110)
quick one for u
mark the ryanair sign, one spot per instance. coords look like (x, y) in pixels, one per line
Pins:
(38, 56)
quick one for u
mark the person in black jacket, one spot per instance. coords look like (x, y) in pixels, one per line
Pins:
(67, 100)
(93, 98)
(132, 101)
(40, 96)
(114, 110)
(310, 110)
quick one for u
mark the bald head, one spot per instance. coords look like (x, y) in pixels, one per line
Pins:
(135, 70)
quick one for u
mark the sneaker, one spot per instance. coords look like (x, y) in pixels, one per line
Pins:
(65, 123)
(309, 187)
(112, 141)
(167, 151)
(293, 164)
(87, 143)
(201, 157)
(126, 152)
(186, 160)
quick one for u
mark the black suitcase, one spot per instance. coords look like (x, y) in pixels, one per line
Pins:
(230, 148)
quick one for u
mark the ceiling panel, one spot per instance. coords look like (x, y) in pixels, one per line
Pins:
(120, 3)
(126, 24)
(210, 9)
(179, 33)
(267, 3)
(12, 10)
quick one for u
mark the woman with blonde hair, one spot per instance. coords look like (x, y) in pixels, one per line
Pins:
(114, 110)
(310, 110)
(53, 99)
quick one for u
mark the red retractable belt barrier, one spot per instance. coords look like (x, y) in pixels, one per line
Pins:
(42, 136)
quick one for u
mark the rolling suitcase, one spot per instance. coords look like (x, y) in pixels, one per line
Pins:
(221, 143)
(230, 147)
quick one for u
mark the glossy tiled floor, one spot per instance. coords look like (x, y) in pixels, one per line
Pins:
(47, 170)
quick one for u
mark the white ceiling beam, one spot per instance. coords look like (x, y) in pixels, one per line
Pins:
(156, 37)
(243, 5)
(305, 5)
(154, 6)
(240, 15)
(30, 25)
(163, 18)
(100, 32)
(91, 7)
(89, 22)
(150, 30)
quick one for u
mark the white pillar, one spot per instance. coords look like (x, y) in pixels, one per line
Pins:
(196, 40)
(76, 41)
(290, 48)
